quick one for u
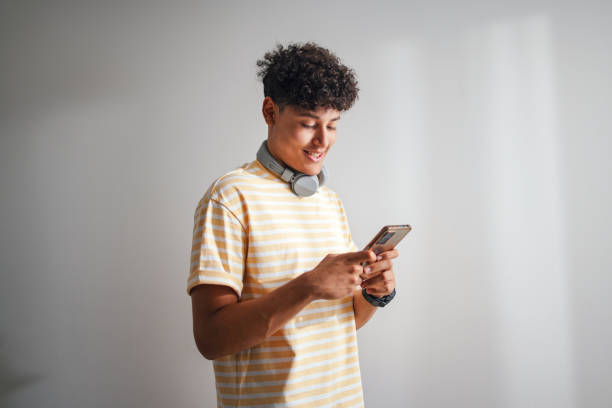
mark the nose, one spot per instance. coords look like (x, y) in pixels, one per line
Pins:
(322, 136)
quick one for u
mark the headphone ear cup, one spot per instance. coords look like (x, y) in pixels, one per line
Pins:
(323, 176)
(305, 186)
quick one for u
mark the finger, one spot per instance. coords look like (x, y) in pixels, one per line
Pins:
(390, 254)
(388, 276)
(376, 268)
(382, 285)
(356, 270)
(378, 292)
(361, 256)
(385, 277)
(355, 281)
(369, 272)
(372, 282)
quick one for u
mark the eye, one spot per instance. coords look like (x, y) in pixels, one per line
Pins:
(308, 126)
(331, 127)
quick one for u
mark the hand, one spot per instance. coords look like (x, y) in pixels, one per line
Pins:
(337, 274)
(378, 277)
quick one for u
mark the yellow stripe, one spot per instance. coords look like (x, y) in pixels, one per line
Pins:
(355, 382)
(288, 385)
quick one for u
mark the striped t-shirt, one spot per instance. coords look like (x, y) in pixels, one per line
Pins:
(253, 234)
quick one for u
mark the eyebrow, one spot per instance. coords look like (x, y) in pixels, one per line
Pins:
(312, 115)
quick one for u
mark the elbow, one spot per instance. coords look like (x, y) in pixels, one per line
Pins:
(209, 355)
(206, 349)
(208, 339)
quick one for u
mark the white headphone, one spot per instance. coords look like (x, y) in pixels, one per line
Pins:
(301, 184)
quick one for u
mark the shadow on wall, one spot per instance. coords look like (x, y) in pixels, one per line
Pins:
(11, 380)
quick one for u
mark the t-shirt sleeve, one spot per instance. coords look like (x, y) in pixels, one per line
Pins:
(351, 244)
(352, 247)
(218, 249)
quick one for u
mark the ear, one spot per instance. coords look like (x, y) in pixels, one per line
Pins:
(270, 111)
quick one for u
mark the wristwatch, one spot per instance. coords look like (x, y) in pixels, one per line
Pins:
(378, 301)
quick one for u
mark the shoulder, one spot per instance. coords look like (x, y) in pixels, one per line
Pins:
(236, 188)
(221, 185)
(221, 194)
(226, 187)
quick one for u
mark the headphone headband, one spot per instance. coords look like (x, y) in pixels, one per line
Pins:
(301, 184)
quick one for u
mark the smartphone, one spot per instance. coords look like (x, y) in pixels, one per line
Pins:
(387, 238)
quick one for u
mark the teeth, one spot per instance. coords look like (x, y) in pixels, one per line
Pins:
(315, 155)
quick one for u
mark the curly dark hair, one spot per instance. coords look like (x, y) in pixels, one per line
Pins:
(308, 76)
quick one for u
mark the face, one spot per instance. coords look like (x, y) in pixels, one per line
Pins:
(301, 138)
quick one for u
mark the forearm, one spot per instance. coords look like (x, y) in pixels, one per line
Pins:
(239, 326)
(362, 308)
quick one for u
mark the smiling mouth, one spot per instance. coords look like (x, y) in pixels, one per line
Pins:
(314, 155)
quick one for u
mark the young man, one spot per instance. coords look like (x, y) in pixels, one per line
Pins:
(276, 282)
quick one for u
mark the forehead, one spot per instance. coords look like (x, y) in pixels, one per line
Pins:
(319, 113)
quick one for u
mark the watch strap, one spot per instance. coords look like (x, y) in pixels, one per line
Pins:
(378, 301)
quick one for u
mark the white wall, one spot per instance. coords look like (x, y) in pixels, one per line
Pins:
(484, 125)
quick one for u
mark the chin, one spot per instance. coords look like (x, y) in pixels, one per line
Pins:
(311, 170)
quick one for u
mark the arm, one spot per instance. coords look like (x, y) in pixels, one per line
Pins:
(379, 281)
(222, 325)
(363, 310)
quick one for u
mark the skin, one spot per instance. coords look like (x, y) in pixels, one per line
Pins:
(221, 324)
(293, 131)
